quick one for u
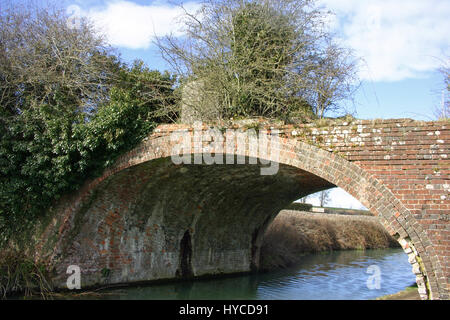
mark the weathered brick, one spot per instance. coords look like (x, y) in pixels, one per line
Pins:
(399, 167)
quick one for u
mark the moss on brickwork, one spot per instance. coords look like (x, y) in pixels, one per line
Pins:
(78, 220)
(425, 279)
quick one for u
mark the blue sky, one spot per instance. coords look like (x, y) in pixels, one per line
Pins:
(400, 42)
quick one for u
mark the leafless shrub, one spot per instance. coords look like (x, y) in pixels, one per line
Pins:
(44, 58)
(442, 112)
(265, 58)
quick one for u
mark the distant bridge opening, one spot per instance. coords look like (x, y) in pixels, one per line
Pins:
(335, 198)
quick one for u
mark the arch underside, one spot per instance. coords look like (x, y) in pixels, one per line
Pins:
(156, 220)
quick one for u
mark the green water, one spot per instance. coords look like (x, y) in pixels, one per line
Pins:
(341, 275)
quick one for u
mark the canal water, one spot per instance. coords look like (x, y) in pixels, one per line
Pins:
(339, 275)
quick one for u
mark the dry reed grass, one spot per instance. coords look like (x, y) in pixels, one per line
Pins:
(294, 233)
(18, 274)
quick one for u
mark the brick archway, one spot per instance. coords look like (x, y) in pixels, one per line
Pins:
(129, 178)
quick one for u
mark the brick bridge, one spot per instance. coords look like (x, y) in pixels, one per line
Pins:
(149, 217)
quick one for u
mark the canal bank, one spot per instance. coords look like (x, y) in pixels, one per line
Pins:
(410, 293)
(295, 233)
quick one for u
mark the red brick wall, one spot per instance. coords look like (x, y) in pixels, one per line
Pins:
(410, 159)
(399, 169)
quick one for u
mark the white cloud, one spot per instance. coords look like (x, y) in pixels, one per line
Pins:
(130, 25)
(397, 39)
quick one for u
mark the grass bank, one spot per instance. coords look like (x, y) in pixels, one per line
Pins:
(410, 293)
(21, 275)
(294, 233)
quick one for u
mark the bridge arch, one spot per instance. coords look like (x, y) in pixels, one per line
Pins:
(121, 221)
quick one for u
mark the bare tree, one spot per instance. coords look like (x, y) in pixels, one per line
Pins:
(332, 79)
(303, 200)
(259, 58)
(324, 197)
(442, 112)
(43, 60)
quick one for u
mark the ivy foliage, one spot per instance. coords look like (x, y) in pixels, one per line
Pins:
(49, 149)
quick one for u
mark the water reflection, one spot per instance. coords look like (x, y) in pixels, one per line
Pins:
(229, 288)
(336, 275)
